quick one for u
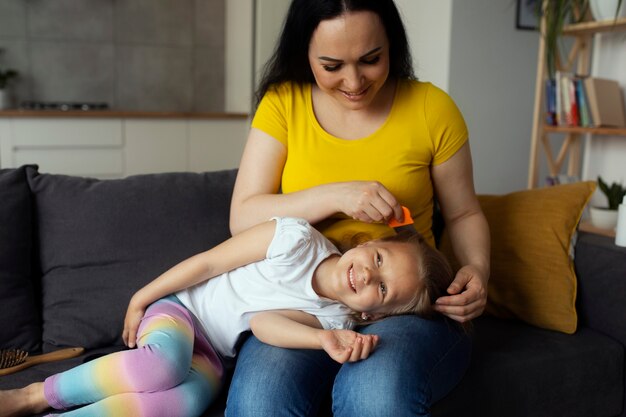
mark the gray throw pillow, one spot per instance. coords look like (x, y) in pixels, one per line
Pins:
(19, 322)
(101, 240)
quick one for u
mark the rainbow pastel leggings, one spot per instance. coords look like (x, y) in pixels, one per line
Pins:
(173, 372)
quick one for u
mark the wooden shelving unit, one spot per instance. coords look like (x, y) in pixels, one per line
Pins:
(590, 28)
(586, 226)
(578, 57)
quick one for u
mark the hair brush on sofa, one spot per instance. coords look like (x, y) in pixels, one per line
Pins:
(13, 360)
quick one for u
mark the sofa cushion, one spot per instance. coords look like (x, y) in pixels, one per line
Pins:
(518, 370)
(532, 272)
(101, 240)
(19, 321)
(601, 270)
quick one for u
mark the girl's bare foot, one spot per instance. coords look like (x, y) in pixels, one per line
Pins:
(24, 401)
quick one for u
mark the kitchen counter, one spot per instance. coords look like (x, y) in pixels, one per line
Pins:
(120, 114)
(115, 143)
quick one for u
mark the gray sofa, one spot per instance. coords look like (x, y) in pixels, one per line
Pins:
(73, 250)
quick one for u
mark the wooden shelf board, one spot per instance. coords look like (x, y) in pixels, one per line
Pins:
(587, 28)
(583, 130)
(585, 226)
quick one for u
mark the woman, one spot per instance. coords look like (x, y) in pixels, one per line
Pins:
(343, 136)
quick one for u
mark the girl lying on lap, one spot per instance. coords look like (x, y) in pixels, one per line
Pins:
(281, 279)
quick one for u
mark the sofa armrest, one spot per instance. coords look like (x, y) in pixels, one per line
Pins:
(601, 271)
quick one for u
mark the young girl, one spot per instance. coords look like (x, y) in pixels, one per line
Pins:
(282, 279)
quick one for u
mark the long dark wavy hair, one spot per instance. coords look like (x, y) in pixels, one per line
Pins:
(290, 61)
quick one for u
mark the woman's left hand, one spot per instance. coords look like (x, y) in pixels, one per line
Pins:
(468, 295)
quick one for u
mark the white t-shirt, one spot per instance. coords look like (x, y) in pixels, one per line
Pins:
(282, 281)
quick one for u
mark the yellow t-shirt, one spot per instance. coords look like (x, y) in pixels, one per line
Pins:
(423, 128)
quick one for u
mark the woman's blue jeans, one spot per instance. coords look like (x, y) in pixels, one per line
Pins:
(416, 363)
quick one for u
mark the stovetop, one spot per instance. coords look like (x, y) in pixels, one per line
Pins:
(63, 106)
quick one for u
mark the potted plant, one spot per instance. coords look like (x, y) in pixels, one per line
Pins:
(5, 77)
(606, 217)
(557, 14)
(605, 9)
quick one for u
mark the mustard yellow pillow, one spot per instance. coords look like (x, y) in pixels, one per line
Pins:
(532, 272)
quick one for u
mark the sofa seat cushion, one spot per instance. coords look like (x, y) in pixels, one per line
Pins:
(520, 370)
(102, 240)
(19, 322)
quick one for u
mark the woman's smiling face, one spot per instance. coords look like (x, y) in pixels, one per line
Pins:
(349, 57)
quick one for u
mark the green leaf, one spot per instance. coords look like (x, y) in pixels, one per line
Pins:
(614, 193)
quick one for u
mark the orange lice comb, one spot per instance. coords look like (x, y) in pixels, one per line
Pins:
(407, 219)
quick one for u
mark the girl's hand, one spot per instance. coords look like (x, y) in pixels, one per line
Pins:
(468, 295)
(131, 324)
(347, 345)
(369, 201)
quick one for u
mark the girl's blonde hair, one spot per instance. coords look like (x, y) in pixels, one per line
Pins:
(433, 271)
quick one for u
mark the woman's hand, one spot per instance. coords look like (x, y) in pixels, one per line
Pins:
(368, 201)
(468, 295)
(134, 314)
(347, 345)
(469, 235)
(256, 194)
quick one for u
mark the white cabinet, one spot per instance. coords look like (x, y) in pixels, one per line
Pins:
(155, 146)
(118, 147)
(80, 147)
(216, 143)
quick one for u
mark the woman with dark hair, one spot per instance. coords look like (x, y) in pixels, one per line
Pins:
(290, 61)
(343, 136)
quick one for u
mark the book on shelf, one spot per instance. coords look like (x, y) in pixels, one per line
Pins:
(605, 102)
(574, 100)
(561, 179)
(582, 102)
(571, 109)
(560, 105)
(562, 100)
(550, 87)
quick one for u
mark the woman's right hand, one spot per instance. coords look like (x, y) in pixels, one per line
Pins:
(134, 314)
(256, 194)
(369, 202)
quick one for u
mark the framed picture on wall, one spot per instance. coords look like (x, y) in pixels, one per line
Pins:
(527, 18)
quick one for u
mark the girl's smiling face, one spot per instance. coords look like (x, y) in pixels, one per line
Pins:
(377, 277)
(349, 57)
